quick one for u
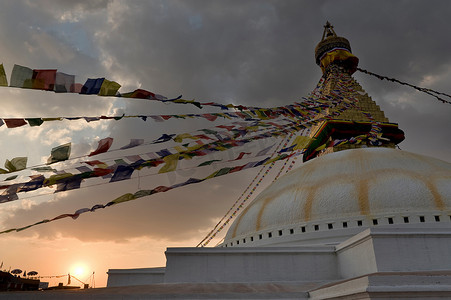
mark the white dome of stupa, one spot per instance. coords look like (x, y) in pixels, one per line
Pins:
(332, 197)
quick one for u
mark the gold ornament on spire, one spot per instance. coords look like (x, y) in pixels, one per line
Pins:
(334, 49)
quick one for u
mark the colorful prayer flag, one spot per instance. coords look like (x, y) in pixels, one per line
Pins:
(63, 82)
(92, 86)
(44, 79)
(21, 77)
(103, 146)
(3, 80)
(109, 88)
(59, 153)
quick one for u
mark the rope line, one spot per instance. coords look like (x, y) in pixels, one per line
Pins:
(430, 92)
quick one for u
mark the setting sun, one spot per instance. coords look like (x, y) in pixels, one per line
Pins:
(79, 270)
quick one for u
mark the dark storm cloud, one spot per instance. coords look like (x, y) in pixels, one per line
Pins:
(246, 52)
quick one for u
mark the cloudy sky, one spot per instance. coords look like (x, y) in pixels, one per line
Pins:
(258, 53)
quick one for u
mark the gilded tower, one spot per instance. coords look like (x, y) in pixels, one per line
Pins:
(362, 124)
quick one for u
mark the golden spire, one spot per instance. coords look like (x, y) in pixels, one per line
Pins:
(333, 48)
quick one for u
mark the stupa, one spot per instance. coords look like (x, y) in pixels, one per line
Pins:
(359, 219)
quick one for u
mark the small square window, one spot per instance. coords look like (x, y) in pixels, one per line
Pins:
(244, 241)
(303, 228)
(330, 226)
(422, 219)
(270, 234)
(260, 236)
(406, 219)
(280, 232)
(237, 242)
(375, 222)
(345, 224)
(390, 220)
(437, 218)
(252, 238)
(231, 244)
(291, 231)
(359, 223)
(316, 227)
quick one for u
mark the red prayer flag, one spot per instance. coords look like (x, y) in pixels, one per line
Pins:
(44, 79)
(143, 94)
(12, 123)
(241, 155)
(103, 146)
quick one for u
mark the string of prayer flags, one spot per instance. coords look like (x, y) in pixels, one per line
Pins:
(3, 79)
(59, 153)
(126, 197)
(216, 230)
(104, 145)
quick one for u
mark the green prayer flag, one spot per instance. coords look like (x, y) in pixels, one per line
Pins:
(35, 121)
(206, 163)
(16, 164)
(59, 153)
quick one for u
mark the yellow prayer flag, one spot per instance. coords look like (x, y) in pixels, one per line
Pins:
(3, 80)
(124, 198)
(301, 142)
(179, 148)
(170, 163)
(179, 138)
(323, 146)
(109, 88)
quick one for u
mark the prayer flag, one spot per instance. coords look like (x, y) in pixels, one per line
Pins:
(206, 163)
(13, 123)
(123, 198)
(264, 151)
(164, 138)
(63, 82)
(301, 142)
(179, 138)
(133, 143)
(142, 94)
(21, 77)
(44, 79)
(92, 86)
(122, 173)
(70, 183)
(103, 146)
(35, 121)
(16, 164)
(76, 88)
(3, 80)
(241, 155)
(109, 88)
(59, 153)
(34, 184)
(170, 163)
